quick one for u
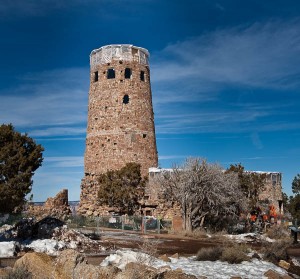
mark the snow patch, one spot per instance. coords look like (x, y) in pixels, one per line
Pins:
(254, 269)
(8, 249)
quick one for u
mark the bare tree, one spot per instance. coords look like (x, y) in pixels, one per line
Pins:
(202, 189)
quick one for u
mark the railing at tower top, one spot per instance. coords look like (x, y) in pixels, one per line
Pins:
(118, 52)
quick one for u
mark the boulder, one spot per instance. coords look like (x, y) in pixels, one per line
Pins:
(271, 274)
(284, 264)
(137, 271)
(175, 256)
(164, 258)
(40, 265)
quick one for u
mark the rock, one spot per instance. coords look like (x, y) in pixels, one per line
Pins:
(37, 264)
(45, 227)
(175, 256)
(295, 269)
(137, 270)
(175, 274)
(57, 207)
(256, 256)
(164, 258)
(271, 274)
(284, 264)
(66, 262)
(164, 268)
(108, 272)
(89, 213)
(25, 228)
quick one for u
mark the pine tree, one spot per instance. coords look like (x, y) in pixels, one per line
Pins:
(20, 156)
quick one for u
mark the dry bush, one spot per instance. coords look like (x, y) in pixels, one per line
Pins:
(276, 251)
(197, 233)
(234, 255)
(209, 254)
(278, 232)
(18, 273)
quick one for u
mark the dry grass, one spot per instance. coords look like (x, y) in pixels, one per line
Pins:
(233, 253)
(18, 273)
(276, 251)
(278, 232)
(196, 234)
(209, 254)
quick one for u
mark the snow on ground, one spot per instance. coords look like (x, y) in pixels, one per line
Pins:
(254, 269)
(249, 237)
(48, 246)
(8, 248)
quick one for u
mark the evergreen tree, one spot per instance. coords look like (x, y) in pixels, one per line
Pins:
(20, 156)
(296, 184)
(122, 188)
(251, 183)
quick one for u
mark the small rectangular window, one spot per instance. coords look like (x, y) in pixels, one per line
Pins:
(142, 76)
(96, 76)
(274, 179)
(111, 73)
(128, 73)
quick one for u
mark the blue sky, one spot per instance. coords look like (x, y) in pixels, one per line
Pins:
(225, 79)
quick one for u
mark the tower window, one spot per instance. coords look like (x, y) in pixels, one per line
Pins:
(96, 76)
(111, 73)
(142, 76)
(127, 73)
(144, 136)
(126, 99)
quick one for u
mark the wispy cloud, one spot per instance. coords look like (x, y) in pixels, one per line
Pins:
(49, 103)
(261, 55)
(241, 79)
(65, 162)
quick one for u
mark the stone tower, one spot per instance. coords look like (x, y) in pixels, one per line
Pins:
(120, 125)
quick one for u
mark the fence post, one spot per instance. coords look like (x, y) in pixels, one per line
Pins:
(144, 223)
(122, 220)
(158, 226)
(97, 222)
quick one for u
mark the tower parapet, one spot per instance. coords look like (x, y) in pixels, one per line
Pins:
(123, 52)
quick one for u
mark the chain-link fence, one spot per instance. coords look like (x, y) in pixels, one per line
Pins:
(124, 222)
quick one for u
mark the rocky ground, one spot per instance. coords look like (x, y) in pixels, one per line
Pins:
(48, 246)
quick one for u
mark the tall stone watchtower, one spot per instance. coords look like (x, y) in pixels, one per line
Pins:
(120, 125)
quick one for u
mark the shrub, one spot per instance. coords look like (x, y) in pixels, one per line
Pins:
(278, 232)
(209, 254)
(276, 251)
(234, 255)
(18, 273)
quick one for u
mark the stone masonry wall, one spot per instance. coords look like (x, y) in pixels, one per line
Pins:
(120, 125)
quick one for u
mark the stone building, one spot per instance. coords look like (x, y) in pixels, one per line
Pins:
(120, 126)
(272, 193)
